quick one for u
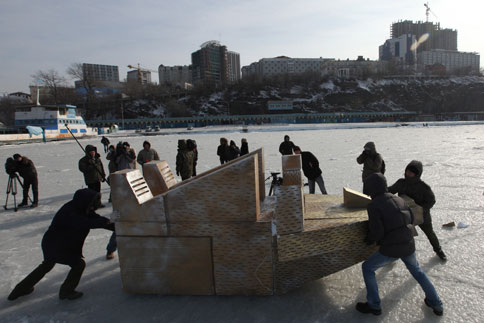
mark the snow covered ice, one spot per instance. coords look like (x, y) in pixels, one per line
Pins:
(453, 159)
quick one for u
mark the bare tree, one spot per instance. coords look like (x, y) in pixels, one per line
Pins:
(52, 80)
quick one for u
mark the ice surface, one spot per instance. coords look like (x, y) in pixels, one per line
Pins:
(453, 159)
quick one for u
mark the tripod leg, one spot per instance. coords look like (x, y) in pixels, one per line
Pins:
(9, 187)
(14, 193)
(270, 190)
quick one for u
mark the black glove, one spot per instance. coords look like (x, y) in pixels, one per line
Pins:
(177, 173)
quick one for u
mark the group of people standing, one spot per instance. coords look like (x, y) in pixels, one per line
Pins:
(228, 152)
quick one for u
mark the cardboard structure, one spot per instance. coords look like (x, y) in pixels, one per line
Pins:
(219, 234)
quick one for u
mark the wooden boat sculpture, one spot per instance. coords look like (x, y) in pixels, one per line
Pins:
(219, 234)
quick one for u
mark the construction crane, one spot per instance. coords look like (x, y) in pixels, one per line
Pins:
(428, 11)
(140, 70)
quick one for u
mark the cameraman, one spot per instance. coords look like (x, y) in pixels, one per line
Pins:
(26, 169)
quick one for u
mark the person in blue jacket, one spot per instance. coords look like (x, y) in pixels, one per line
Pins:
(63, 241)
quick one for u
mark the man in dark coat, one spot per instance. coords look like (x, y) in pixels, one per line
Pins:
(286, 147)
(234, 151)
(125, 156)
(26, 169)
(105, 141)
(223, 150)
(63, 242)
(244, 147)
(310, 166)
(192, 145)
(184, 160)
(92, 168)
(371, 160)
(412, 186)
(389, 226)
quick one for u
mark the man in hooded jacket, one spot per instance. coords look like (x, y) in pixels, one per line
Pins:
(147, 154)
(372, 162)
(63, 242)
(92, 168)
(412, 186)
(389, 220)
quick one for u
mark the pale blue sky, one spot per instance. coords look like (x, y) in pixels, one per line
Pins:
(52, 34)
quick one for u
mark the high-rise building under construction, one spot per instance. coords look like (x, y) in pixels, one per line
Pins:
(438, 38)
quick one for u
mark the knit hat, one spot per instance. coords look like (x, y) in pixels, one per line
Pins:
(16, 156)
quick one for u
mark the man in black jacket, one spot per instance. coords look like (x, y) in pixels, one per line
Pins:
(286, 147)
(26, 169)
(412, 186)
(390, 219)
(310, 166)
(63, 242)
(92, 167)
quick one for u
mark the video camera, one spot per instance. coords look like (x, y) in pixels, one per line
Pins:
(11, 166)
(276, 180)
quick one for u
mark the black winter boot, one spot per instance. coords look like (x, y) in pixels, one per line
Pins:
(439, 311)
(71, 296)
(366, 309)
(441, 254)
(17, 292)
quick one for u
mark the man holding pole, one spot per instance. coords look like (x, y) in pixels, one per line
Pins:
(92, 168)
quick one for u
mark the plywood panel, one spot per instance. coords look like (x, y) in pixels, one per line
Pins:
(166, 265)
(229, 194)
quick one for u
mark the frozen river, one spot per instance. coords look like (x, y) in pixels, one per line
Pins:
(453, 159)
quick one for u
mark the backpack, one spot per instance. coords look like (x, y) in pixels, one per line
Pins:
(382, 170)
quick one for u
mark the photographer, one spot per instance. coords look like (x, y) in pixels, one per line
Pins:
(125, 156)
(25, 167)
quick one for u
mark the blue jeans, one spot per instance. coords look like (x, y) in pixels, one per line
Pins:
(112, 245)
(312, 186)
(378, 260)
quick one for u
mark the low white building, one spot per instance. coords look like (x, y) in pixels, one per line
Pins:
(452, 60)
(283, 65)
(353, 68)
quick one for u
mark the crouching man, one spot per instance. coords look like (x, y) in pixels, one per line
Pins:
(63, 242)
(389, 217)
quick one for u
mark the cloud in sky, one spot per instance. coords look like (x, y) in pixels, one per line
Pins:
(45, 34)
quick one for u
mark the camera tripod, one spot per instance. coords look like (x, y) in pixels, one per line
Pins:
(276, 181)
(12, 190)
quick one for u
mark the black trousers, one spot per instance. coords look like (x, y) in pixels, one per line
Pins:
(427, 228)
(67, 287)
(35, 189)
